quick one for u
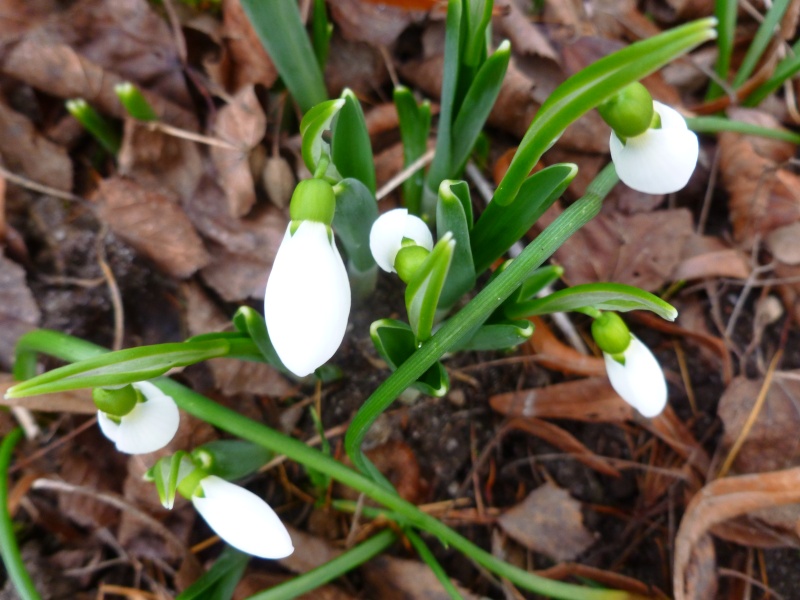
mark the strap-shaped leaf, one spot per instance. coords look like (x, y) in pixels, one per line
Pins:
(424, 289)
(454, 215)
(124, 366)
(602, 296)
(590, 87)
(499, 336)
(396, 343)
(356, 211)
(477, 105)
(251, 323)
(499, 227)
(282, 33)
(219, 582)
(350, 149)
(415, 125)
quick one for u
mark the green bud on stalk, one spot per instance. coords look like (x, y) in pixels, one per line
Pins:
(630, 112)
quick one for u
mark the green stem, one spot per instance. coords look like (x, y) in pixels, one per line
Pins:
(296, 450)
(331, 570)
(9, 549)
(450, 334)
(717, 124)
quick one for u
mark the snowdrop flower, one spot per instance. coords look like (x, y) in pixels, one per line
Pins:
(632, 369)
(651, 146)
(389, 230)
(241, 518)
(307, 301)
(139, 418)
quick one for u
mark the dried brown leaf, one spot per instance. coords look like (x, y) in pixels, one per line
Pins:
(592, 400)
(548, 521)
(373, 23)
(641, 250)
(25, 151)
(564, 441)
(19, 312)
(152, 223)
(726, 499)
(554, 354)
(242, 123)
(525, 37)
(706, 257)
(251, 63)
(762, 196)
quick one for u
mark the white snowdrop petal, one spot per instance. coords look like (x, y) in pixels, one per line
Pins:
(150, 426)
(307, 301)
(670, 118)
(640, 382)
(659, 161)
(388, 231)
(109, 428)
(242, 519)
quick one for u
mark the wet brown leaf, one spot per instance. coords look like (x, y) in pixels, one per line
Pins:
(725, 499)
(354, 65)
(241, 123)
(153, 223)
(641, 250)
(374, 23)
(19, 312)
(250, 62)
(26, 152)
(548, 521)
(390, 578)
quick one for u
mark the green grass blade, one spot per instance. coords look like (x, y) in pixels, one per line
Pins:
(725, 11)
(764, 35)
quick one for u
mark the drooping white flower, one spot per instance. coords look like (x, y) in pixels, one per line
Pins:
(640, 381)
(241, 518)
(659, 161)
(148, 427)
(307, 301)
(388, 231)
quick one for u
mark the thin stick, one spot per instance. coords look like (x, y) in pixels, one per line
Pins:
(38, 187)
(396, 181)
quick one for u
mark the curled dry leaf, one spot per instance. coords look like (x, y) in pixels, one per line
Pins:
(25, 151)
(706, 257)
(548, 521)
(153, 223)
(554, 354)
(19, 312)
(242, 123)
(725, 499)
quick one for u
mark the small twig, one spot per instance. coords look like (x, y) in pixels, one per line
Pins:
(111, 500)
(113, 289)
(749, 579)
(59, 442)
(190, 135)
(352, 534)
(38, 187)
(398, 179)
(712, 184)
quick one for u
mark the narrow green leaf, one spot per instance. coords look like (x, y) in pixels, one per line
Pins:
(765, 34)
(121, 367)
(477, 16)
(321, 31)
(356, 211)
(424, 289)
(451, 217)
(476, 106)
(219, 581)
(540, 279)
(717, 124)
(235, 459)
(351, 150)
(725, 11)
(312, 127)
(499, 227)
(278, 25)
(251, 323)
(786, 69)
(101, 129)
(499, 336)
(602, 296)
(415, 124)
